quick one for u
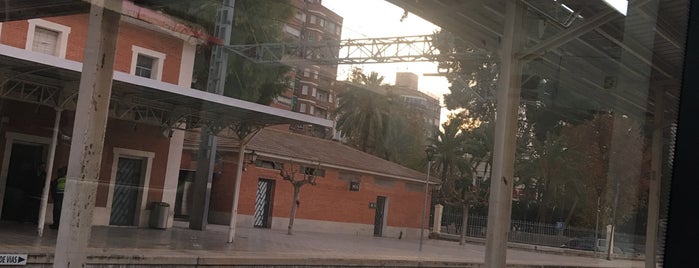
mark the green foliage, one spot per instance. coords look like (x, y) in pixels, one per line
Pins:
(255, 21)
(565, 160)
(375, 121)
(459, 152)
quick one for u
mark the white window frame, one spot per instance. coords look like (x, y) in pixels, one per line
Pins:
(63, 32)
(302, 107)
(313, 19)
(306, 72)
(158, 62)
(304, 90)
(315, 74)
(140, 217)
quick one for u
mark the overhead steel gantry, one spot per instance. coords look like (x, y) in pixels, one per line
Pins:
(417, 48)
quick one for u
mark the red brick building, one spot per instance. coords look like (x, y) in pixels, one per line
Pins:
(41, 61)
(356, 193)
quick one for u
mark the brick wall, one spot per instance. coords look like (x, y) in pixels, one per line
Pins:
(14, 33)
(119, 134)
(329, 200)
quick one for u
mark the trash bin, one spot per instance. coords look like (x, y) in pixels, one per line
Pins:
(158, 215)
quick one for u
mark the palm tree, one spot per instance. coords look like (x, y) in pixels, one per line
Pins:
(361, 116)
(455, 167)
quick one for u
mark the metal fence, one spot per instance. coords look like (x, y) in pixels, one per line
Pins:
(535, 233)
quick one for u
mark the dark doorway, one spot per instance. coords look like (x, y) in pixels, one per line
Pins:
(184, 192)
(379, 216)
(127, 189)
(263, 203)
(24, 184)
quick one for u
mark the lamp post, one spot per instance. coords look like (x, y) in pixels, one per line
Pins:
(430, 153)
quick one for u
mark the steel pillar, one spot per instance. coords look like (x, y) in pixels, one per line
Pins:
(88, 134)
(508, 97)
(207, 148)
(199, 214)
(655, 177)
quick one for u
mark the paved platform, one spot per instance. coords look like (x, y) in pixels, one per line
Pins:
(182, 247)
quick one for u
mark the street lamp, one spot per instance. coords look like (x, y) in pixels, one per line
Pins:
(430, 154)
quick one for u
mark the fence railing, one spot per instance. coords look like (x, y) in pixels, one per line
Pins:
(535, 233)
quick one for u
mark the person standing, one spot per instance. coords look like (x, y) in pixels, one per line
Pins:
(58, 187)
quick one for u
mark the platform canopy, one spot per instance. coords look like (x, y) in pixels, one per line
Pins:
(42, 79)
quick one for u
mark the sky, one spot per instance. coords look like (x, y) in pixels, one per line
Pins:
(378, 18)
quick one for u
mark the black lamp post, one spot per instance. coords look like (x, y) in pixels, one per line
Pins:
(430, 154)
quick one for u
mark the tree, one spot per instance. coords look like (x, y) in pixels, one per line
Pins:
(458, 152)
(360, 117)
(255, 21)
(593, 143)
(308, 176)
(375, 121)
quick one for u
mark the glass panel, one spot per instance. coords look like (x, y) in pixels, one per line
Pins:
(493, 133)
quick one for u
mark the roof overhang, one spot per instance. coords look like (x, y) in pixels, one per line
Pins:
(582, 52)
(47, 80)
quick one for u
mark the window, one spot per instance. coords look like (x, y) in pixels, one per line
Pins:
(312, 109)
(304, 90)
(268, 164)
(313, 171)
(45, 41)
(302, 108)
(313, 19)
(322, 95)
(47, 37)
(315, 74)
(322, 23)
(291, 30)
(330, 98)
(313, 92)
(306, 72)
(300, 15)
(147, 63)
(144, 66)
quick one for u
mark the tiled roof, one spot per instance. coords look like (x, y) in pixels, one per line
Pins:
(284, 145)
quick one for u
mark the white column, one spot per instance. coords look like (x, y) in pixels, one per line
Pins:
(172, 172)
(437, 221)
(49, 169)
(88, 134)
(236, 192)
(500, 201)
(238, 179)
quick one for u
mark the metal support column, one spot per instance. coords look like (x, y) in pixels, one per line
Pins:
(198, 217)
(215, 84)
(88, 134)
(508, 97)
(655, 177)
(49, 169)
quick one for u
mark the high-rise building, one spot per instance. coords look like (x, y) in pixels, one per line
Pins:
(406, 88)
(312, 91)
